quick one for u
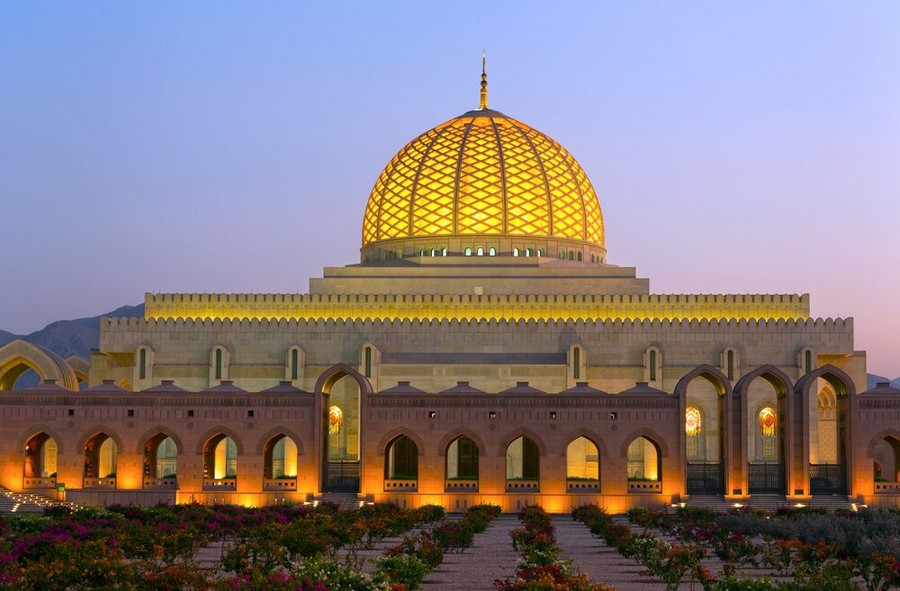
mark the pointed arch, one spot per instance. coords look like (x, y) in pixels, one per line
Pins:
(588, 434)
(19, 355)
(648, 434)
(335, 373)
(522, 432)
(220, 430)
(159, 430)
(88, 435)
(266, 437)
(876, 439)
(839, 379)
(26, 437)
(394, 434)
(710, 373)
(777, 378)
(450, 437)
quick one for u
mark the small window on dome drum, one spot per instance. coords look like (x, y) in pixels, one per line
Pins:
(434, 252)
(480, 251)
(571, 255)
(444, 252)
(578, 256)
(515, 252)
(528, 252)
(492, 252)
(468, 251)
(540, 252)
(421, 252)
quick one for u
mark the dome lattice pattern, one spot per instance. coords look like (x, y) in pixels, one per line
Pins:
(483, 173)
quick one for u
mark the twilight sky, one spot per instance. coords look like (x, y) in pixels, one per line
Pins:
(230, 147)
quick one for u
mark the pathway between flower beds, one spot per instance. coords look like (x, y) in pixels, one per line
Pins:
(490, 557)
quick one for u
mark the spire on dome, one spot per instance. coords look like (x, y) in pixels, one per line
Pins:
(484, 99)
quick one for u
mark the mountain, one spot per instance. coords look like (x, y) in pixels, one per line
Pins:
(874, 379)
(73, 337)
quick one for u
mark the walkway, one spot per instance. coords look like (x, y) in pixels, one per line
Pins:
(490, 557)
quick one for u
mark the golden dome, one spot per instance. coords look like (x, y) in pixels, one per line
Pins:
(483, 175)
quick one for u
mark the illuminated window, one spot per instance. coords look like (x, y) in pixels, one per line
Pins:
(768, 425)
(480, 251)
(421, 252)
(693, 429)
(444, 252)
(540, 252)
(516, 252)
(434, 252)
(562, 255)
(528, 252)
(335, 420)
(492, 251)
(468, 251)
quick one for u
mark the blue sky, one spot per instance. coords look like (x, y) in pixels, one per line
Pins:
(230, 147)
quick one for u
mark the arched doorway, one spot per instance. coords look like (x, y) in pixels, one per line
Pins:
(100, 459)
(582, 466)
(341, 391)
(707, 413)
(461, 465)
(401, 465)
(40, 462)
(523, 465)
(644, 466)
(220, 463)
(825, 394)
(161, 462)
(764, 410)
(280, 467)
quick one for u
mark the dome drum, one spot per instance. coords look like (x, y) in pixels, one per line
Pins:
(492, 247)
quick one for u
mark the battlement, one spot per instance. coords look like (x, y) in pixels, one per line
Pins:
(310, 307)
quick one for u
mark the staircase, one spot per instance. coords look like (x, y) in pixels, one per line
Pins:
(715, 503)
(344, 501)
(770, 503)
(13, 502)
(831, 502)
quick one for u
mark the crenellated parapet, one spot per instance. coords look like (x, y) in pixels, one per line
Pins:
(314, 307)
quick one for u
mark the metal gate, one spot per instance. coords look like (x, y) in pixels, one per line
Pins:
(705, 479)
(342, 477)
(766, 478)
(827, 479)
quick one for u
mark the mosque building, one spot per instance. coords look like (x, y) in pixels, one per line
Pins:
(481, 350)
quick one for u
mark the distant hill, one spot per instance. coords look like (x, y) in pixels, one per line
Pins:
(874, 379)
(68, 337)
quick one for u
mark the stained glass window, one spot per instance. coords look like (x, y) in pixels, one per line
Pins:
(693, 422)
(767, 422)
(335, 420)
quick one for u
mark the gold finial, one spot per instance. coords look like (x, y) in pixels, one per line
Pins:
(484, 103)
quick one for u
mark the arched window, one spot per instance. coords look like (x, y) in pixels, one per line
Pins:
(220, 458)
(693, 430)
(582, 460)
(100, 457)
(468, 251)
(540, 252)
(40, 458)
(571, 255)
(730, 364)
(652, 365)
(295, 364)
(421, 252)
(480, 251)
(335, 420)
(768, 429)
(492, 251)
(528, 252)
(522, 460)
(142, 364)
(166, 459)
(434, 252)
(516, 251)
(443, 252)
(281, 458)
(578, 256)
(401, 461)
(462, 459)
(643, 460)
(367, 365)
(562, 255)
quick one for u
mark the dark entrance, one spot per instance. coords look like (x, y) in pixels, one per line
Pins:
(827, 479)
(705, 478)
(766, 478)
(342, 477)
